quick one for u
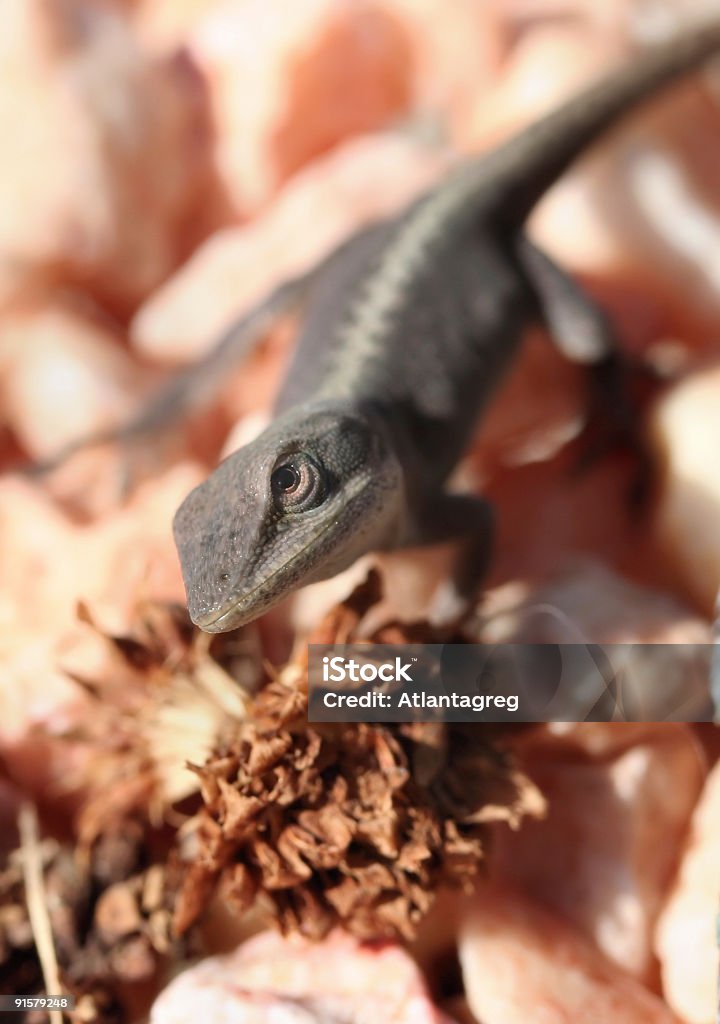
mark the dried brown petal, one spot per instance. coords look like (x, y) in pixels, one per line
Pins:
(117, 913)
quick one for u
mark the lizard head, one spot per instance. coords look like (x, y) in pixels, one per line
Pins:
(301, 502)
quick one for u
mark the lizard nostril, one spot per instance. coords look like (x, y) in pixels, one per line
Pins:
(224, 577)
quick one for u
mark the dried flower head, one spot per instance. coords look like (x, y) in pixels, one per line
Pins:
(164, 697)
(355, 824)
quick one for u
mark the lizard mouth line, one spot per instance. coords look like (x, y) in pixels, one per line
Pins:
(231, 609)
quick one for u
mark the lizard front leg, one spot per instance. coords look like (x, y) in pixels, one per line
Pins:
(583, 333)
(469, 520)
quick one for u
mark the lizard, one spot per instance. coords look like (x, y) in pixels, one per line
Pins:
(407, 329)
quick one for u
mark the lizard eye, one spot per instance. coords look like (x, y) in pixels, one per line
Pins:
(298, 484)
(286, 479)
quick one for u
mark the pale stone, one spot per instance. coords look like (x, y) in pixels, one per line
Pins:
(685, 428)
(458, 50)
(290, 981)
(589, 603)
(101, 166)
(521, 963)
(63, 376)
(686, 940)
(620, 798)
(289, 81)
(166, 24)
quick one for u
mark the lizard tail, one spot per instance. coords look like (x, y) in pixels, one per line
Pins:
(516, 175)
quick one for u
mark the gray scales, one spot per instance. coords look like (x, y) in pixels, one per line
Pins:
(407, 329)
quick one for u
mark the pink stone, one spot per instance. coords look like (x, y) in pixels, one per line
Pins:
(65, 375)
(289, 81)
(684, 427)
(686, 940)
(289, 981)
(604, 856)
(101, 167)
(522, 963)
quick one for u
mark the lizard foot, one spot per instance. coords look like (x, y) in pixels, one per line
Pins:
(470, 520)
(619, 390)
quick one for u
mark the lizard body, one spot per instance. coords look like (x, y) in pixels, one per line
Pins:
(409, 326)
